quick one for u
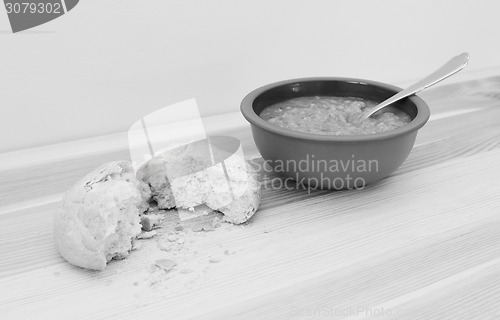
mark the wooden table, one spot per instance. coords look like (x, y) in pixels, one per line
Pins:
(421, 244)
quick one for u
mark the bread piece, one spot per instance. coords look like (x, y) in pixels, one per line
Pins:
(186, 177)
(244, 207)
(100, 215)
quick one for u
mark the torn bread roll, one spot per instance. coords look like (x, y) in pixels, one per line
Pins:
(200, 173)
(100, 215)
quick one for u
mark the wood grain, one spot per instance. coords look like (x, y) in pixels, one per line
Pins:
(421, 244)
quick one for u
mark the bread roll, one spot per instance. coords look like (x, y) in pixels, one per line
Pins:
(186, 177)
(100, 215)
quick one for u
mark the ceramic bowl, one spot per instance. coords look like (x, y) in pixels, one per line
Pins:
(331, 161)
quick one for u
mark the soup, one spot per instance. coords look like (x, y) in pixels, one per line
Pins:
(332, 116)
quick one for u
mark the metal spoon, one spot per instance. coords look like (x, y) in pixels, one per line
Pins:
(449, 68)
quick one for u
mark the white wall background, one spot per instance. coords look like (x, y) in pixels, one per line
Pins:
(99, 68)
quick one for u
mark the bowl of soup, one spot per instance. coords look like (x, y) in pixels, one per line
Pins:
(311, 131)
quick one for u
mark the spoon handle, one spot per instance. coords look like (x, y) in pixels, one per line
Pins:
(449, 68)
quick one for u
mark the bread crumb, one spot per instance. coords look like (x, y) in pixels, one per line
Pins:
(150, 221)
(165, 264)
(203, 227)
(229, 252)
(146, 235)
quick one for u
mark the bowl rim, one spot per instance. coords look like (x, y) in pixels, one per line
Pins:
(246, 108)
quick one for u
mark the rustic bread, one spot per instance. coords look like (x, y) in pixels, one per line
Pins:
(186, 177)
(100, 215)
